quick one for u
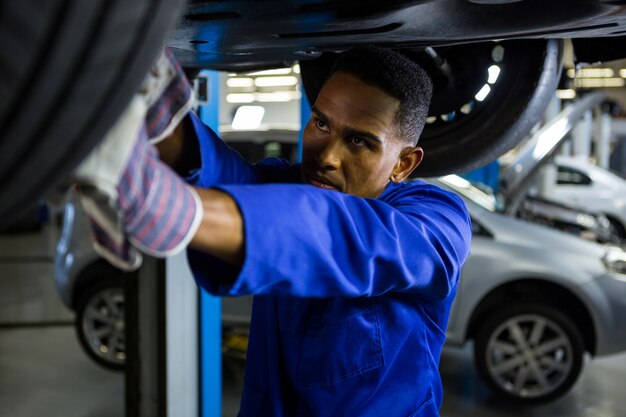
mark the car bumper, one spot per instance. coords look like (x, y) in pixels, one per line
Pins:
(609, 292)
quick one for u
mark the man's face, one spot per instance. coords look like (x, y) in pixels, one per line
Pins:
(350, 144)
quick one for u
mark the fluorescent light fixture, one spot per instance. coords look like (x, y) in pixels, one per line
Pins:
(275, 81)
(494, 71)
(248, 117)
(296, 69)
(277, 71)
(590, 73)
(275, 96)
(240, 82)
(240, 98)
(278, 96)
(622, 73)
(599, 82)
(482, 94)
(566, 94)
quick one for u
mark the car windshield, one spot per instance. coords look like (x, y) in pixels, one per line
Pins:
(482, 196)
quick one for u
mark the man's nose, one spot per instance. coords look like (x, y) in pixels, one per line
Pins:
(329, 157)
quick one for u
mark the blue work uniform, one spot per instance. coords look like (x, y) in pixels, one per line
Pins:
(352, 295)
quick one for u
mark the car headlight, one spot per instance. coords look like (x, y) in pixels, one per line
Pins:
(615, 259)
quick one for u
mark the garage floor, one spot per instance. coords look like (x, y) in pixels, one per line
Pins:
(44, 372)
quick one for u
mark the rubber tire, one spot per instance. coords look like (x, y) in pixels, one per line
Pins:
(67, 70)
(529, 77)
(497, 317)
(95, 285)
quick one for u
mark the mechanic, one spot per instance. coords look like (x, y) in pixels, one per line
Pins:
(353, 270)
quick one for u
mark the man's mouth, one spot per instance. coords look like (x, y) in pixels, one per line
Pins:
(321, 183)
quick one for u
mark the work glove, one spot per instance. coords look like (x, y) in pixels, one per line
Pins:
(168, 96)
(135, 202)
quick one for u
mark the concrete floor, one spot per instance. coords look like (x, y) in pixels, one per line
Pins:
(43, 371)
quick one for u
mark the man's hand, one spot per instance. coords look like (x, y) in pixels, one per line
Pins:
(129, 195)
(132, 197)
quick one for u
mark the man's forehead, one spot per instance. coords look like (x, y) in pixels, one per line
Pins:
(346, 97)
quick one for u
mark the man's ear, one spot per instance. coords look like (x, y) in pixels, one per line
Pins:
(410, 157)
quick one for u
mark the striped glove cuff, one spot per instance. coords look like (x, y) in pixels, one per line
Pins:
(162, 213)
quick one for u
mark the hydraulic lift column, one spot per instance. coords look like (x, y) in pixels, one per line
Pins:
(173, 329)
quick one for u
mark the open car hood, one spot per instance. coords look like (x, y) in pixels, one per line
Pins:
(539, 149)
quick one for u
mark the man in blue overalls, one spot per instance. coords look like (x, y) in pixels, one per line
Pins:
(353, 270)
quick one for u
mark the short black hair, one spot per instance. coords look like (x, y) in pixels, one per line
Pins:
(396, 75)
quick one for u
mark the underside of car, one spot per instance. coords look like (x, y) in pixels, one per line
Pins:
(67, 70)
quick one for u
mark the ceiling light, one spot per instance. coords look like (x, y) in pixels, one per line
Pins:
(482, 94)
(590, 73)
(622, 73)
(566, 94)
(494, 71)
(599, 82)
(278, 96)
(240, 82)
(275, 81)
(248, 117)
(240, 98)
(296, 69)
(278, 71)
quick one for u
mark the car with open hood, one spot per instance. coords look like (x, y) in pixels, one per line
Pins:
(585, 185)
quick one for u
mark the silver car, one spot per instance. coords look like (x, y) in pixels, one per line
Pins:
(534, 300)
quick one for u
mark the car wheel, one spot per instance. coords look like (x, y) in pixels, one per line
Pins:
(100, 322)
(529, 353)
(464, 132)
(67, 71)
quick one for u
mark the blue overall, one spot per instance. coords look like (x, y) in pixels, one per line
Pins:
(352, 295)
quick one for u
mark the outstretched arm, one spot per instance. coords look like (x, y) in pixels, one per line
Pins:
(221, 229)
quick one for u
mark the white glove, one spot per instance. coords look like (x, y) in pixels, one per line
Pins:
(129, 195)
(97, 178)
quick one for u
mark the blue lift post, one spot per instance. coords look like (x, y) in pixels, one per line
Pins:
(210, 306)
(305, 115)
(488, 175)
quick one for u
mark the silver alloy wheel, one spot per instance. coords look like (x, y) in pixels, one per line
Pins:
(103, 325)
(529, 356)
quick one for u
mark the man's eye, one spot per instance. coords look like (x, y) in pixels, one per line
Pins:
(357, 141)
(321, 124)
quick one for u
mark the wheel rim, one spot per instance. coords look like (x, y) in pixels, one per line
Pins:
(103, 325)
(529, 356)
(463, 91)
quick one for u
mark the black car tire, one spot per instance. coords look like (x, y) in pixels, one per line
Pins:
(557, 351)
(67, 70)
(100, 321)
(530, 72)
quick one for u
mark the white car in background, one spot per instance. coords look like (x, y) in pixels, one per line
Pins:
(582, 184)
